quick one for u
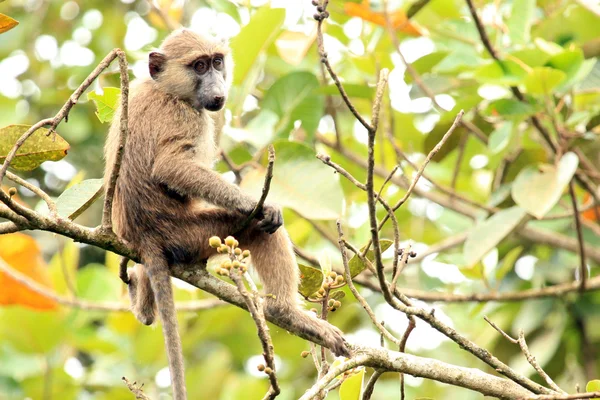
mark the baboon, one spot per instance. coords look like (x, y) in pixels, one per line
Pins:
(168, 201)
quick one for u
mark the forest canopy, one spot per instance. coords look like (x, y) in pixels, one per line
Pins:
(437, 161)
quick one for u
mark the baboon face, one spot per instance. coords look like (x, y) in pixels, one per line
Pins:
(193, 68)
(210, 71)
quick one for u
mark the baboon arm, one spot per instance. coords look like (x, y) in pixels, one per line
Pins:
(189, 178)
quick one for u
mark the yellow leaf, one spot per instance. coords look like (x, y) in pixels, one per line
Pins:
(7, 23)
(398, 18)
(22, 253)
(293, 46)
(173, 10)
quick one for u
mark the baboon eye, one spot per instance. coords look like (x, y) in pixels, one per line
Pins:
(218, 63)
(200, 66)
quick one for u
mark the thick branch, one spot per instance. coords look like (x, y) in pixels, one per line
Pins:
(388, 360)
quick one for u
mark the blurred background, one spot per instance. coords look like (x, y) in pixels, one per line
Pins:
(281, 95)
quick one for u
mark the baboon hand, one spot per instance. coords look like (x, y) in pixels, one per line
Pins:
(270, 218)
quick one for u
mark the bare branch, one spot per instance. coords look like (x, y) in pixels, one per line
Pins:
(368, 392)
(357, 295)
(533, 362)
(136, 389)
(320, 17)
(583, 267)
(43, 195)
(575, 396)
(255, 305)
(265, 191)
(123, 132)
(400, 362)
(545, 292)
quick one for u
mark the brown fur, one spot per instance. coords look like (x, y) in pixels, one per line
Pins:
(160, 208)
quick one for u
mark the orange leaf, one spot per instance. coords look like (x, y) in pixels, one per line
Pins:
(22, 253)
(7, 23)
(398, 18)
(590, 214)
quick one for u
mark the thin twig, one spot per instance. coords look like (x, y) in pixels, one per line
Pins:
(412, 324)
(123, 133)
(136, 389)
(419, 173)
(559, 290)
(300, 252)
(482, 33)
(406, 252)
(232, 167)
(63, 113)
(525, 349)
(355, 292)
(405, 306)
(43, 195)
(499, 330)
(265, 191)
(579, 230)
(400, 155)
(255, 305)
(368, 392)
(530, 233)
(320, 17)
(533, 362)
(580, 177)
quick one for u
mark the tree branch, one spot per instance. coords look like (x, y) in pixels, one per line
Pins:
(123, 132)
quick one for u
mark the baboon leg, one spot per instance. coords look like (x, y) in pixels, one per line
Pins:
(143, 304)
(273, 258)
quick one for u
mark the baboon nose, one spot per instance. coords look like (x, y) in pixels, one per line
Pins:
(216, 104)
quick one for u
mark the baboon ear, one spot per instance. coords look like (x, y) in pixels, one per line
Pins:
(156, 63)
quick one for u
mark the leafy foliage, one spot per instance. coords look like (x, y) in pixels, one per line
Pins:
(548, 50)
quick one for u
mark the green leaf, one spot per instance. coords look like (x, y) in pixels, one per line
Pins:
(7, 23)
(38, 148)
(519, 23)
(500, 138)
(106, 103)
(355, 263)
(509, 108)
(27, 330)
(76, 199)
(572, 62)
(293, 97)
(425, 64)
(311, 279)
(352, 387)
(300, 182)
(337, 295)
(254, 38)
(537, 190)
(593, 386)
(487, 234)
(95, 282)
(542, 80)
(508, 262)
(507, 73)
